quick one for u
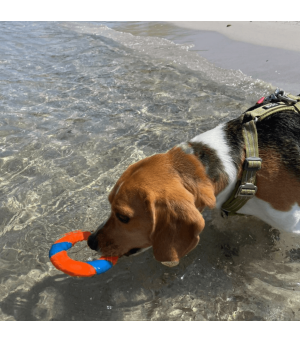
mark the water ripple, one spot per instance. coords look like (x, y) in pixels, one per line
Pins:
(79, 103)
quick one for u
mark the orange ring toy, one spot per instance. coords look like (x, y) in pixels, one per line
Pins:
(59, 258)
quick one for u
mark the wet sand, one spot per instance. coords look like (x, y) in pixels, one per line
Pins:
(283, 35)
(269, 51)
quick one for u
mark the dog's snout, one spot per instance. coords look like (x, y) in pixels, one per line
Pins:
(92, 242)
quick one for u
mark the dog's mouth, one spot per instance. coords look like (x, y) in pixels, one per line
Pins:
(133, 251)
(136, 251)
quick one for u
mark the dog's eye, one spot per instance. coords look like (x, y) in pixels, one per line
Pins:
(123, 219)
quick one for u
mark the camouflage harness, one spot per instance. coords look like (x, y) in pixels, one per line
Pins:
(246, 188)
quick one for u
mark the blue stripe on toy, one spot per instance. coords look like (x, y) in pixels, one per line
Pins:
(58, 247)
(101, 266)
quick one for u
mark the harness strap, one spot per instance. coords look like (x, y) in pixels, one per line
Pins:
(246, 188)
(297, 106)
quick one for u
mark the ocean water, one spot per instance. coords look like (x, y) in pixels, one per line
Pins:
(79, 103)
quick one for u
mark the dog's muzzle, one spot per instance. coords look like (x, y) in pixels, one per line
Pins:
(92, 240)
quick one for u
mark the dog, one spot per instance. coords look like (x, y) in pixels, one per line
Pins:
(157, 202)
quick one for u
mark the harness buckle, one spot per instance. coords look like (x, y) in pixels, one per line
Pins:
(252, 163)
(279, 95)
(286, 99)
(247, 190)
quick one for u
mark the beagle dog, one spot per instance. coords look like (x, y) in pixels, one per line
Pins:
(158, 201)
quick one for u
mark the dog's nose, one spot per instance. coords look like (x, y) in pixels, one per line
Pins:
(92, 242)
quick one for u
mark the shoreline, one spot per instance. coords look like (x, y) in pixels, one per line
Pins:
(268, 51)
(282, 35)
(263, 50)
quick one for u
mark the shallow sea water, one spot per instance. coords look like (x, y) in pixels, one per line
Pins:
(79, 103)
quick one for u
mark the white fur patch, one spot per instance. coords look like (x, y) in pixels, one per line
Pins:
(216, 139)
(288, 221)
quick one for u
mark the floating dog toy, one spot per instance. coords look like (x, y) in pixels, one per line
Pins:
(60, 259)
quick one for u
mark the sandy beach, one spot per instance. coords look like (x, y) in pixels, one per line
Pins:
(269, 51)
(284, 35)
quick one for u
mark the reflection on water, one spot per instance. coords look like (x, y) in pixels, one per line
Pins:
(81, 102)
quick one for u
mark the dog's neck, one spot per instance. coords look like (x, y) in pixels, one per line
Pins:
(220, 150)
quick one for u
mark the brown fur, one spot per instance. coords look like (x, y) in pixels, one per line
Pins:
(213, 165)
(162, 195)
(274, 179)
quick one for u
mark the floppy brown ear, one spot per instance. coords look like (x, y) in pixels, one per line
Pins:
(177, 228)
(193, 177)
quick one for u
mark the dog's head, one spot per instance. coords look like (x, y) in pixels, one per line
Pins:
(156, 202)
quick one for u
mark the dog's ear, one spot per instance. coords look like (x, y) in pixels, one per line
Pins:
(177, 221)
(176, 227)
(193, 177)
